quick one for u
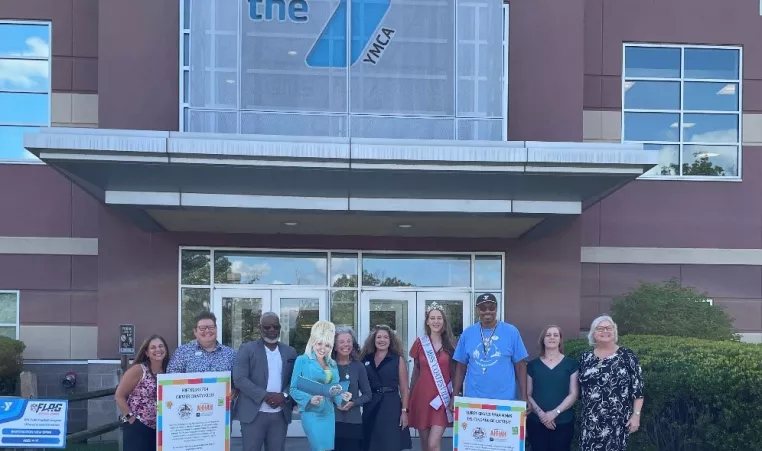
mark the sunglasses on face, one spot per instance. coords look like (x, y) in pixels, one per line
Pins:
(275, 327)
(487, 307)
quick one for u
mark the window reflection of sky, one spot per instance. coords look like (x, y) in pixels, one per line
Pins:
(311, 269)
(24, 86)
(710, 104)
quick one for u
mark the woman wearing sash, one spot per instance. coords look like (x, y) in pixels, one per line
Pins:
(431, 382)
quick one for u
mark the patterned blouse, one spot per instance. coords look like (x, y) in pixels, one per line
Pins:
(142, 400)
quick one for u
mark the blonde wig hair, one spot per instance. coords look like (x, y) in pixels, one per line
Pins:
(322, 332)
(596, 322)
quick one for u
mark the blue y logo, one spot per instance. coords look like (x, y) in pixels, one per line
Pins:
(330, 48)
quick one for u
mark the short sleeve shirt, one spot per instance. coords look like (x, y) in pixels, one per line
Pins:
(489, 362)
(551, 386)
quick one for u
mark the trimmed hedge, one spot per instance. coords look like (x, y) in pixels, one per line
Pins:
(11, 364)
(670, 309)
(700, 394)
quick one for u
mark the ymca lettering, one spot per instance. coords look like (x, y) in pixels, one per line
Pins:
(378, 45)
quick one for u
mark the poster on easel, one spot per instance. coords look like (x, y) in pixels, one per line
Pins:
(489, 425)
(193, 411)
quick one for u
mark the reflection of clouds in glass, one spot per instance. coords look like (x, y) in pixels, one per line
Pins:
(342, 266)
(249, 273)
(717, 136)
(21, 74)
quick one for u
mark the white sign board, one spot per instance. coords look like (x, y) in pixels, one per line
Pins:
(193, 412)
(33, 423)
(489, 424)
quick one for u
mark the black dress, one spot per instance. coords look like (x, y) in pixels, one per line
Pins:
(381, 416)
(608, 389)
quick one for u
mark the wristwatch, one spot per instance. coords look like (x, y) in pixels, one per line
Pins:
(285, 395)
(126, 418)
(637, 412)
(558, 412)
(404, 410)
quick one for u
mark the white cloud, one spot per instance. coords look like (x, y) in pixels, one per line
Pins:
(249, 273)
(25, 74)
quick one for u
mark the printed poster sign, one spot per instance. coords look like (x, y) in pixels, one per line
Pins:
(488, 424)
(193, 412)
(33, 423)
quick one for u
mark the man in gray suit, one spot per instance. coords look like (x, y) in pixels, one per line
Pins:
(262, 374)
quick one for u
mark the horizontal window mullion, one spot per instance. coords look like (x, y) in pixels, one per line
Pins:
(725, 113)
(712, 143)
(23, 91)
(649, 110)
(24, 58)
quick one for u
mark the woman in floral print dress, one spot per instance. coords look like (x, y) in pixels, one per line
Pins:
(611, 385)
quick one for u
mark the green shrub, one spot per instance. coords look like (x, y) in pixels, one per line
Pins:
(11, 364)
(669, 309)
(699, 394)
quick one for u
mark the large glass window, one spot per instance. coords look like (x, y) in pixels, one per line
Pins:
(205, 271)
(412, 69)
(9, 314)
(684, 101)
(24, 85)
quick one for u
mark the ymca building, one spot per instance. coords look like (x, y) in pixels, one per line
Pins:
(357, 160)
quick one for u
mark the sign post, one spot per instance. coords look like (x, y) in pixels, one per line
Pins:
(489, 424)
(126, 339)
(33, 423)
(126, 344)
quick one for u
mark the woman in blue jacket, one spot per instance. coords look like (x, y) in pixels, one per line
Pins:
(316, 364)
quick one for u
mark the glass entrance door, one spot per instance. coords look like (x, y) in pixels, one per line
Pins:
(238, 313)
(396, 309)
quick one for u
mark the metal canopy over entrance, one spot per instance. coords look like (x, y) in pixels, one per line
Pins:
(169, 181)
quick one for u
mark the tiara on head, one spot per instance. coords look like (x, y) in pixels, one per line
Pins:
(434, 306)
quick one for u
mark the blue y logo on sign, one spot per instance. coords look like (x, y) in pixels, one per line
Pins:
(330, 48)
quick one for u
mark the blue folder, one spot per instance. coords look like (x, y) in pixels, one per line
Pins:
(315, 388)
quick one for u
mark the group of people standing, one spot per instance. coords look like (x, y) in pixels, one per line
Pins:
(377, 405)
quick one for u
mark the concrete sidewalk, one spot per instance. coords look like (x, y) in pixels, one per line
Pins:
(300, 444)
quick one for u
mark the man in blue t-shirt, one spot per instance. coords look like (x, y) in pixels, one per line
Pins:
(490, 354)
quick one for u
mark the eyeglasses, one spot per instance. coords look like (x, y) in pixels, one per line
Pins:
(605, 329)
(487, 307)
(206, 328)
(275, 327)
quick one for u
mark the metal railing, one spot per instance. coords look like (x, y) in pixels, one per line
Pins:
(82, 436)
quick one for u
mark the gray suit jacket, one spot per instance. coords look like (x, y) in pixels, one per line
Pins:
(250, 374)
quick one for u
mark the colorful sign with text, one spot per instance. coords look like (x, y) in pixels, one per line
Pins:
(193, 412)
(488, 424)
(33, 423)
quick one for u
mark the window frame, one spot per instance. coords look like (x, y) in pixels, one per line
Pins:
(18, 308)
(49, 25)
(682, 111)
(184, 107)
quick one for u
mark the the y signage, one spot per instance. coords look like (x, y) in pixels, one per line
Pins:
(329, 49)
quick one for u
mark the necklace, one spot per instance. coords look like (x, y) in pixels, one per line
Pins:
(486, 344)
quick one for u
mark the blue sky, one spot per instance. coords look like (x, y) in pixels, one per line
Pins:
(24, 86)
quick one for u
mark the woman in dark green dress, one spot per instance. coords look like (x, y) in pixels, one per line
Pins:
(553, 389)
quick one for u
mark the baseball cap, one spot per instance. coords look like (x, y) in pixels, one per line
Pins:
(486, 297)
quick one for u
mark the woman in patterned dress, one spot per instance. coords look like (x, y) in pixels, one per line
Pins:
(611, 384)
(136, 395)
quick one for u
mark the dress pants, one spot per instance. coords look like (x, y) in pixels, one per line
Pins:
(268, 429)
(541, 438)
